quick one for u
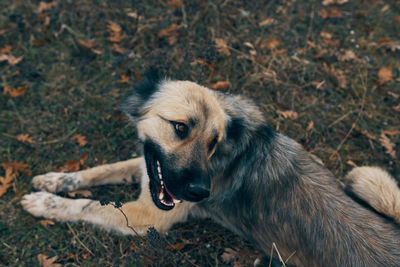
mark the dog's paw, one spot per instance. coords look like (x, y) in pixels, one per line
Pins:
(55, 182)
(42, 204)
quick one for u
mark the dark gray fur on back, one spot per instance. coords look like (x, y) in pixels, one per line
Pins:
(267, 188)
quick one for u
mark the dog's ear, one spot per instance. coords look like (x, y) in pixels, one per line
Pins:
(142, 92)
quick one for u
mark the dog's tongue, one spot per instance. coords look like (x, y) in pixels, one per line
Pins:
(166, 197)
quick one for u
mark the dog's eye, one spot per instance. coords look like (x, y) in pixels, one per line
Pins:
(181, 129)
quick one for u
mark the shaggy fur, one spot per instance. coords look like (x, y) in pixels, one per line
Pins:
(215, 152)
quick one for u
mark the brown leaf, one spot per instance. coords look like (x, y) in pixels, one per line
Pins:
(385, 74)
(80, 139)
(11, 59)
(351, 163)
(44, 223)
(203, 62)
(267, 21)
(115, 32)
(118, 49)
(171, 33)
(310, 126)
(273, 43)
(331, 2)
(397, 108)
(348, 56)
(335, 13)
(341, 78)
(88, 43)
(221, 85)
(228, 256)
(17, 167)
(6, 49)
(25, 138)
(83, 193)
(45, 261)
(5, 182)
(114, 27)
(323, 13)
(388, 145)
(43, 6)
(82, 159)
(397, 19)
(14, 92)
(70, 166)
(391, 132)
(175, 3)
(222, 47)
(288, 114)
(124, 78)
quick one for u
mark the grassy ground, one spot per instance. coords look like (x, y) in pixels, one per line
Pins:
(329, 64)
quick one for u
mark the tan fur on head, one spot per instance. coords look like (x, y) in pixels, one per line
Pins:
(377, 188)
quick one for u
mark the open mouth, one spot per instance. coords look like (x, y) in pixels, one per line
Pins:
(162, 197)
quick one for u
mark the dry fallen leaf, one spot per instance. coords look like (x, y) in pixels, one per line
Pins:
(341, 78)
(25, 138)
(175, 3)
(288, 114)
(14, 92)
(88, 43)
(83, 193)
(221, 85)
(124, 78)
(228, 256)
(43, 6)
(273, 43)
(222, 47)
(385, 74)
(331, 2)
(11, 59)
(44, 223)
(5, 182)
(17, 167)
(171, 33)
(6, 49)
(388, 145)
(351, 163)
(391, 132)
(45, 261)
(73, 166)
(348, 56)
(118, 49)
(80, 139)
(115, 32)
(310, 126)
(177, 246)
(267, 21)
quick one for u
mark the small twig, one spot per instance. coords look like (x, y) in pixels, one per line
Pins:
(340, 119)
(77, 238)
(184, 24)
(279, 255)
(130, 227)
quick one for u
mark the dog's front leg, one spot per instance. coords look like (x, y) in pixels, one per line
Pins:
(131, 218)
(115, 173)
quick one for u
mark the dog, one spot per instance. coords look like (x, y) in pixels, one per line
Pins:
(208, 154)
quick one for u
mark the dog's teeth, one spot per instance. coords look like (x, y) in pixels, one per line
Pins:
(161, 195)
(162, 183)
(177, 201)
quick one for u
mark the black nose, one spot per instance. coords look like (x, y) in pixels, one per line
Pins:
(196, 192)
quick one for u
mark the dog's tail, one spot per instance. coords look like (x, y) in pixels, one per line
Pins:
(376, 187)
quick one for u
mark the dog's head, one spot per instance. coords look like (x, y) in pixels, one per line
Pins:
(180, 124)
